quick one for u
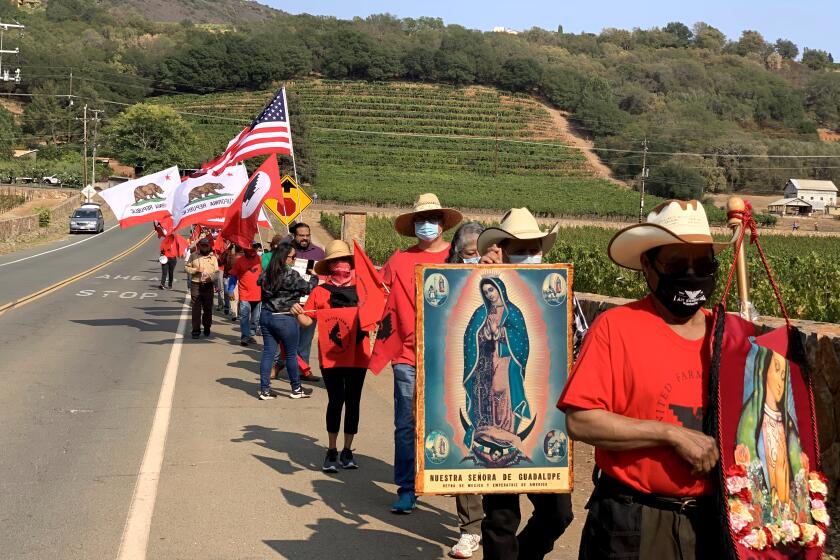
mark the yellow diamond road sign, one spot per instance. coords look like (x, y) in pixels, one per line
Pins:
(294, 201)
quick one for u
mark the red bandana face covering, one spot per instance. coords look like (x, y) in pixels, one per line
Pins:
(340, 273)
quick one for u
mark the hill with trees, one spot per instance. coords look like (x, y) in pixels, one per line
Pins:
(718, 114)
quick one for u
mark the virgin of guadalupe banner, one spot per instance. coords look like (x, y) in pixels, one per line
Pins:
(773, 492)
(494, 350)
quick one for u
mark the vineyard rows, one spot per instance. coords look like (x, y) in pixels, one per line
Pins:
(391, 169)
(807, 269)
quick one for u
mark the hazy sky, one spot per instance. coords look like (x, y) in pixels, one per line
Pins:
(808, 23)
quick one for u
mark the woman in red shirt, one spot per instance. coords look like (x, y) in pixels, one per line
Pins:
(343, 348)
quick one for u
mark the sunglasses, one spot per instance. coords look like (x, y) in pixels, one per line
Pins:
(702, 266)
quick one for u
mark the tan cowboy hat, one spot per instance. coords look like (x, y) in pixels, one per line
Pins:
(335, 250)
(518, 223)
(673, 221)
(427, 204)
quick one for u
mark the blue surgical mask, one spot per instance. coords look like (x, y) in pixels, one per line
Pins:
(472, 260)
(525, 259)
(427, 231)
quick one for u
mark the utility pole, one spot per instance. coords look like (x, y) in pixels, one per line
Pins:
(95, 132)
(4, 74)
(645, 175)
(84, 120)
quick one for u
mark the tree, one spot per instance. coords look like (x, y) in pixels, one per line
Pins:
(823, 98)
(520, 74)
(751, 43)
(816, 59)
(8, 133)
(151, 137)
(672, 180)
(787, 49)
(708, 37)
(47, 115)
(680, 31)
(74, 10)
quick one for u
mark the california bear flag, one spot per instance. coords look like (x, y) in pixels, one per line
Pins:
(143, 200)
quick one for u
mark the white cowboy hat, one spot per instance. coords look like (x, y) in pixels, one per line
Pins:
(335, 250)
(518, 223)
(673, 221)
(426, 204)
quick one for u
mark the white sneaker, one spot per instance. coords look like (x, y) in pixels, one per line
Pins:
(465, 546)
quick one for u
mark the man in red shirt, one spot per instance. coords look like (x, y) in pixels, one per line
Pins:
(427, 223)
(172, 246)
(247, 270)
(638, 394)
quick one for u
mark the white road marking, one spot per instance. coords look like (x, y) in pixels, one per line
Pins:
(135, 538)
(60, 248)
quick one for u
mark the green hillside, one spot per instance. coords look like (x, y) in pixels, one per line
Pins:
(382, 143)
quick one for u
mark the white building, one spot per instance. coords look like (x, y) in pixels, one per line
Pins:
(505, 30)
(818, 194)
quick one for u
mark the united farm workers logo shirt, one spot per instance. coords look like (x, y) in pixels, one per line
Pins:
(633, 364)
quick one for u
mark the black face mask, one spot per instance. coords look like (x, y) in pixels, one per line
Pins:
(684, 293)
(205, 252)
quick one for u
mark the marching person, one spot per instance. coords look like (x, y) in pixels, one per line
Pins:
(231, 289)
(638, 394)
(247, 271)
(281, 287)
(304, 249)
(519, 240)
(275, 241)
(201, 267)
(172, 246)
(464, 250)
(426, 223)
(343, 373)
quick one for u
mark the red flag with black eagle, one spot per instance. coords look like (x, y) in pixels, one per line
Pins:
(396, 325)
(370, 287)
(242, 216)
(342, 343)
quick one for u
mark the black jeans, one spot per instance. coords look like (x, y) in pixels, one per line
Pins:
(344, 389)
(552, 514)
(202, 305)
(167, 269)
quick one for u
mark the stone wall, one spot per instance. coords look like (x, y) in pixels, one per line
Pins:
(822, 343)
(13, 228)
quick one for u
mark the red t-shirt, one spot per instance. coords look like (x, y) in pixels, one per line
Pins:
(633, 364)
(247, 270)
(173, 246)
(402, 264)
(351, 353)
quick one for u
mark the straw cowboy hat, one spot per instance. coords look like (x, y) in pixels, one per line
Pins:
(673, 221)
(335, 250)
(518, 223)
(426, 204)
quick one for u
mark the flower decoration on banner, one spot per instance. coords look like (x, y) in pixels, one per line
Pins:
(745, 519)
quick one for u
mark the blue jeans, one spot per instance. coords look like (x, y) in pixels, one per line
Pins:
(283, 329)
(404, 387)
(249, 316)
(306, 334)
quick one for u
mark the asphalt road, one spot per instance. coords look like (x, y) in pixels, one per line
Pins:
(28, 271)
(82, 371)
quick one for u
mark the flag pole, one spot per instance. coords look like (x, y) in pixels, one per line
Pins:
(292, 146)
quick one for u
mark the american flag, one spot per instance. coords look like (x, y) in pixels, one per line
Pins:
(269, 133)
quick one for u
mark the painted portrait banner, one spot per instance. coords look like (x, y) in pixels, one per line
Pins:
(494, 348)
(773, 491)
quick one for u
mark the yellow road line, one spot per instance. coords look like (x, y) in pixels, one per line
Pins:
(49, 289)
